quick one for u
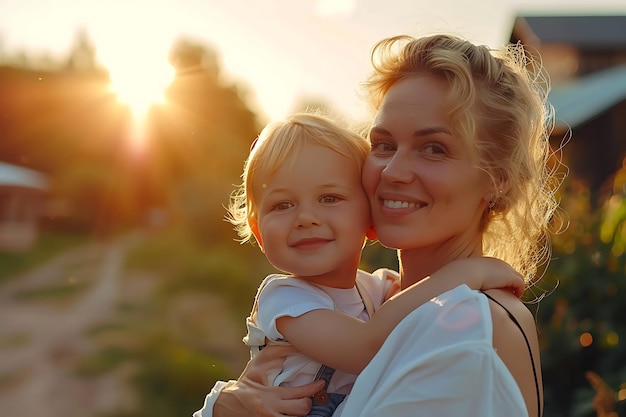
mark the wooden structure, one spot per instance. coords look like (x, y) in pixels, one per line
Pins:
(585, 57)
(22, 196)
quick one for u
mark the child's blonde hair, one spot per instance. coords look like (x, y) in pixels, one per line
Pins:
(279, 140)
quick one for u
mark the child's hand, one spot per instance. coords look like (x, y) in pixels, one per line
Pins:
(486, 273)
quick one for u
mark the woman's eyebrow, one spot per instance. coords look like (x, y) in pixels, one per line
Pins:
(421, 132)
(380, 131)
(431, 131)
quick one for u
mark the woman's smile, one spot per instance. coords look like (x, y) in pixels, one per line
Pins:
(395, 204)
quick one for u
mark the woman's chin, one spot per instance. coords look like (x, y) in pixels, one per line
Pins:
(393, 239)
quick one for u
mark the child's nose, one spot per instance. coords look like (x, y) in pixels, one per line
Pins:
(307, 218)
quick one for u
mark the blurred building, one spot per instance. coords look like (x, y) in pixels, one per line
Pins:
(22, 196)
(585, 57)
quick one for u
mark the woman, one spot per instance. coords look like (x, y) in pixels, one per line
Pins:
(458, 168)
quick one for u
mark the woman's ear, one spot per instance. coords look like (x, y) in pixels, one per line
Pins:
(371, 233)
(254, 227)
(489, 197)
(495, 192)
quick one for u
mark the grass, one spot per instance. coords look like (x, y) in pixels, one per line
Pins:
(14, 341)
(48, 245)
(186, 265)
(11, 379)
(52, 292)
(104, 361)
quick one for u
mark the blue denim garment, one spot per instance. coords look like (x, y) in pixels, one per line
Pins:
(327, 409)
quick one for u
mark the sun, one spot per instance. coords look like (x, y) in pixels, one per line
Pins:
(138, 82)
(139, 74)
(135, 54)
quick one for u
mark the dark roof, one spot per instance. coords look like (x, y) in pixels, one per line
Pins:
(582, 31)
(584, 98)
(16, 176)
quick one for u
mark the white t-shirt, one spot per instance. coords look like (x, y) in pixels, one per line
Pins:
(297, 369)
(286, 296)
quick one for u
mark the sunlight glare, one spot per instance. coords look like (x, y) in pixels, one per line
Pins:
(135, 56)
(139, 74)
(138, 82)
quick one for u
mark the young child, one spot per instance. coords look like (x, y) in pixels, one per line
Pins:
(303, 202)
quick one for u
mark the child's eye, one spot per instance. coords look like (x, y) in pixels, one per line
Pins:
(329, 199)
(283, 206)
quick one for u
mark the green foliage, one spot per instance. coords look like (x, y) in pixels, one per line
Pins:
(581, 322)
(56, 291)
(48, 245)
(174, 380)
(103, 361)
(67, 123)
(188, 264)
(376, 256)
(176, 367)
(171, 378)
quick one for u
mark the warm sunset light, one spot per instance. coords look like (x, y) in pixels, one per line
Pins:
(135, 52)
(139, 71)
(137, 83)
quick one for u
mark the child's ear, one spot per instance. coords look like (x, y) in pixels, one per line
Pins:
(254, 227)
(371, 233)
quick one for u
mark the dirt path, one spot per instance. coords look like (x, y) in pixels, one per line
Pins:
(41, 340)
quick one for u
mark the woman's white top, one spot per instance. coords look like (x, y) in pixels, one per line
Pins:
(439, 361)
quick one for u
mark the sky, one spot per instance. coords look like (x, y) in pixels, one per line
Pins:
(280, 51)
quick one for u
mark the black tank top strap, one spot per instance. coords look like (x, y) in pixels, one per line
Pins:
(530, 352)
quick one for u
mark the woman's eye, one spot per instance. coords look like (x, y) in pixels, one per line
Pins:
(381, 147)
(434, 149)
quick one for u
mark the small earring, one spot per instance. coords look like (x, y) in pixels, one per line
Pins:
(492, 202)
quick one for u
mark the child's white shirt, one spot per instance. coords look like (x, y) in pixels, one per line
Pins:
(377, 286)
(286, 296)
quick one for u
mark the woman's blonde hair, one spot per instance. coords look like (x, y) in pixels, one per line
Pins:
(497, 105)
(282, 139)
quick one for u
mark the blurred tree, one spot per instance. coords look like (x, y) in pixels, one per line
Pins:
(582, 326)
(82, 57)
(67, 123)
(198, 141)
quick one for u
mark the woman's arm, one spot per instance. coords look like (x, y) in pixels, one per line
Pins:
(348, 344)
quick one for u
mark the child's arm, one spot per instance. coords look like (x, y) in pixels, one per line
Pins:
(348, 344)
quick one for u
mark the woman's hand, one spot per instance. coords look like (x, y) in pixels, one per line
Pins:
(251, 396)
(485, 273)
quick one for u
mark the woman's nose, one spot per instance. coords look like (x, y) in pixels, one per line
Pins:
(398, 169)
